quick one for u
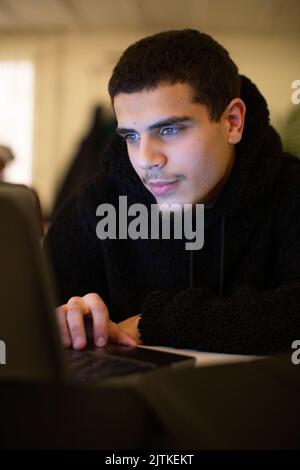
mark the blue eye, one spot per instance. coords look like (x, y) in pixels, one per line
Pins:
(132, 138)
(169, 131)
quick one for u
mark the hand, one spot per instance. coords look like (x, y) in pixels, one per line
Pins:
(71, 323)
(130, 326)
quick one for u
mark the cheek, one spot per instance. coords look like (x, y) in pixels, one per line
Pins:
(203, 162)
(192, 158)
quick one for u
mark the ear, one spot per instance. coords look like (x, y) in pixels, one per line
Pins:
(234, 116)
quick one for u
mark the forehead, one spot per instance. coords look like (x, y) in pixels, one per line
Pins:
(148, 105)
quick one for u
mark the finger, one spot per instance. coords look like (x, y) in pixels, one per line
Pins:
(61, 313)
(76, 309)
(99, 312)
(116, 335)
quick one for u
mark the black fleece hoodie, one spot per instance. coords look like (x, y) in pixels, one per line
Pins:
(238, 294)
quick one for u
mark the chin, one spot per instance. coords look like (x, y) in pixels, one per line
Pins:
(164, 206)
(172, 202)
(181, 200)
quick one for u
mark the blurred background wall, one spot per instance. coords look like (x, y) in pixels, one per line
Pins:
(64, 52)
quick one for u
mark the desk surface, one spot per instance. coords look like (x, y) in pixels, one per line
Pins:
(204, 359)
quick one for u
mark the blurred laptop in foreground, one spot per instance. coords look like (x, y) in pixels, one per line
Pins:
(27, 320)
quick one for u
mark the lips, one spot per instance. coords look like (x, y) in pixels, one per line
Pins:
(162, 187)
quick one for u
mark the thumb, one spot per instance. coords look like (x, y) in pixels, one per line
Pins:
(118, 336)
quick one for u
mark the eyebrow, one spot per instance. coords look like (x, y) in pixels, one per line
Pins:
(163, 123)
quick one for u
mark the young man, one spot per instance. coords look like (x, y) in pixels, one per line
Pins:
(190, 130)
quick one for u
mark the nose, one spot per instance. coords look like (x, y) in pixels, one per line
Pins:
(150, 153)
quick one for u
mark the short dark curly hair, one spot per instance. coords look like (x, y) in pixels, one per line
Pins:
(179, 56)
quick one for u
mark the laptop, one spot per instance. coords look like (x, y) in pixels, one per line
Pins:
(29, 336)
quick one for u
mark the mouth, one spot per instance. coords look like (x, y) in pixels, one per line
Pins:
(161, 187)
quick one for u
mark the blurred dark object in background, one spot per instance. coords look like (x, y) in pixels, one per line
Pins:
(87, 159)
(6, 156)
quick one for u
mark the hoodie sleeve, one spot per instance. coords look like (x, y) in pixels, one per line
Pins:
(251, 321)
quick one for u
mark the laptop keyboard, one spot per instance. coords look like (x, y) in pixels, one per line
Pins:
(90, 366)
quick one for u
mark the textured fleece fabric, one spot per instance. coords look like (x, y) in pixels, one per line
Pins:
(238, 294)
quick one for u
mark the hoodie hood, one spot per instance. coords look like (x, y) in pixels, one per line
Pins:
(256, 164)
